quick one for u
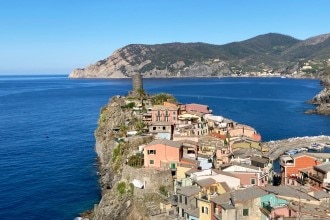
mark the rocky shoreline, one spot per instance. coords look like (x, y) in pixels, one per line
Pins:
(322, 99)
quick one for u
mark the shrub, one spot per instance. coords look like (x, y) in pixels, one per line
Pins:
(135, 161)
(162, 190)
(121, 187)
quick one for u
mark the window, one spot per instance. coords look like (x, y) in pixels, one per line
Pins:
(151, 162)
(164, 128)
(151, 152)
(253, 181)
(154, 128)
(245, 212)
(185, 200)
(205, 210)
(174, 118)
(173, 113)
(180, 199)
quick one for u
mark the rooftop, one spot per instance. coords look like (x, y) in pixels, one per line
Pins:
(238, 196)
(206, 182)
(258, 159)
(165, 142)
(163, 107)
(324, 167)
(288, 191)
(188, 190)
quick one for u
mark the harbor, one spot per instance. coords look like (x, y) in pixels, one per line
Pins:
(297, 145)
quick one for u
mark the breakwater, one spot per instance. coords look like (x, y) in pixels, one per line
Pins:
(277, 148)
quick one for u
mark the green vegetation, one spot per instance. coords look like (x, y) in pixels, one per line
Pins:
(131, 188)
(139, 126)
(135, 161)
(121, 187)
(129, 105)
(273, 51)
(162, 190)
(116, 153)
(160, 98)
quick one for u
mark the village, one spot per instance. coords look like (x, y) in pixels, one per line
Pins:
(220, 169)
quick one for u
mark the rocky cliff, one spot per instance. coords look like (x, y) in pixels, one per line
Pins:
(120, 199)
(322, 100)
(269, 53)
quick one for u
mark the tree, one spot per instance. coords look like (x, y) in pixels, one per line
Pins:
(139, 125)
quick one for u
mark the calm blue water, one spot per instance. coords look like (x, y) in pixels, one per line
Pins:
(48, 167)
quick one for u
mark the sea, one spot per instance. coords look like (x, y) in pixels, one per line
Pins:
(48, 164)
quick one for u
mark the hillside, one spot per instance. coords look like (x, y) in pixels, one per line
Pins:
(268, 53)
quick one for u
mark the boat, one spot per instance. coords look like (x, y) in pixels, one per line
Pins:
(303, 149)
(316, 147)
(290, 152)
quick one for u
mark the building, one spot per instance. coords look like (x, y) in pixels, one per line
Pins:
(240, 204)
(291, 165)
(198, 108)
(161, 130)
(187, 201)
(248, 174)
(162, 113)
(317, 176)
(163, 154)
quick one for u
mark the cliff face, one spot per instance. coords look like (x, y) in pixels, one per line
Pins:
(120, 199)
(269, 53)
(322, 100)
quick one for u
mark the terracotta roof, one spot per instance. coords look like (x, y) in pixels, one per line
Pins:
(188, 190)
(220, 136)
(190, 161)
(165, 142)
(198, 108)
(256, 137)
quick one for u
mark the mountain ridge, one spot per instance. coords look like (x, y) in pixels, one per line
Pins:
(271, 53)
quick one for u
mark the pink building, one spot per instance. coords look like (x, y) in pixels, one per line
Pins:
(162, 113)
(244, 130)
(163, 154)
(249, 175)
(198, 108)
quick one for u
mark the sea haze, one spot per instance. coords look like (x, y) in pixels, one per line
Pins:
(48, 164)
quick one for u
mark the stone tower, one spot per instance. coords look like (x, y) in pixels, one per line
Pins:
(137, 83)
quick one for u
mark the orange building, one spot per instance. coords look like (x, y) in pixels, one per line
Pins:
(290, 166)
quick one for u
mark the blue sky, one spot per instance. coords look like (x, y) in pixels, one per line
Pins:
(56, 36)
